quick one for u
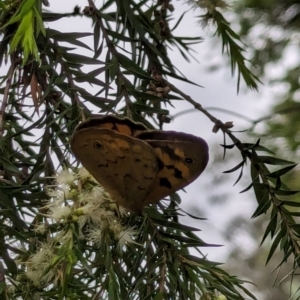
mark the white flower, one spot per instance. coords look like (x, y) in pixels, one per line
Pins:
(40, 228)
(66, 191)
(116, 228)
(34, 276)
(59, 213)
(42, 256)
(84, 174)
(95, 236)
(38, 263)
(66, 177)
(126, 237)
(123, 211)
(93, 213)
(57, 197)
(95, 195)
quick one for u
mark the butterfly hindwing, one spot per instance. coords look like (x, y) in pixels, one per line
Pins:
(181, 159)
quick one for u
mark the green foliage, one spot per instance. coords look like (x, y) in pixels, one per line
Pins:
(28, 24)
(270, 191)
(231, 42)
(43, 89)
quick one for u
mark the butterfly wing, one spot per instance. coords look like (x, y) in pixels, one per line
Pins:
(181, 159)
(121, 125)
(137, 166)
(123, 165)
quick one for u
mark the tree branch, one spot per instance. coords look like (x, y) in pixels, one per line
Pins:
(287, 220)
(15, 62)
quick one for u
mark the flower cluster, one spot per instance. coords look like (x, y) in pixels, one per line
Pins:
(80, 209)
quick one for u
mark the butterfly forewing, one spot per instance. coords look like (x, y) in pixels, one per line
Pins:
(123, 165)
(121, 125)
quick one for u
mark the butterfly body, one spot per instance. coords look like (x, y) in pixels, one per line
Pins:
(135, 165)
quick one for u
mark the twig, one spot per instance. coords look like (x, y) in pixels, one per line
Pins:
(278, 112)
(10, 74)
(162, 274)
(227, 111)
(114, 52)
(251, 156)
(216, 121)
(70, 79)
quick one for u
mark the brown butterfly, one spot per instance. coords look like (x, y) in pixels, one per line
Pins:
(137, 166)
